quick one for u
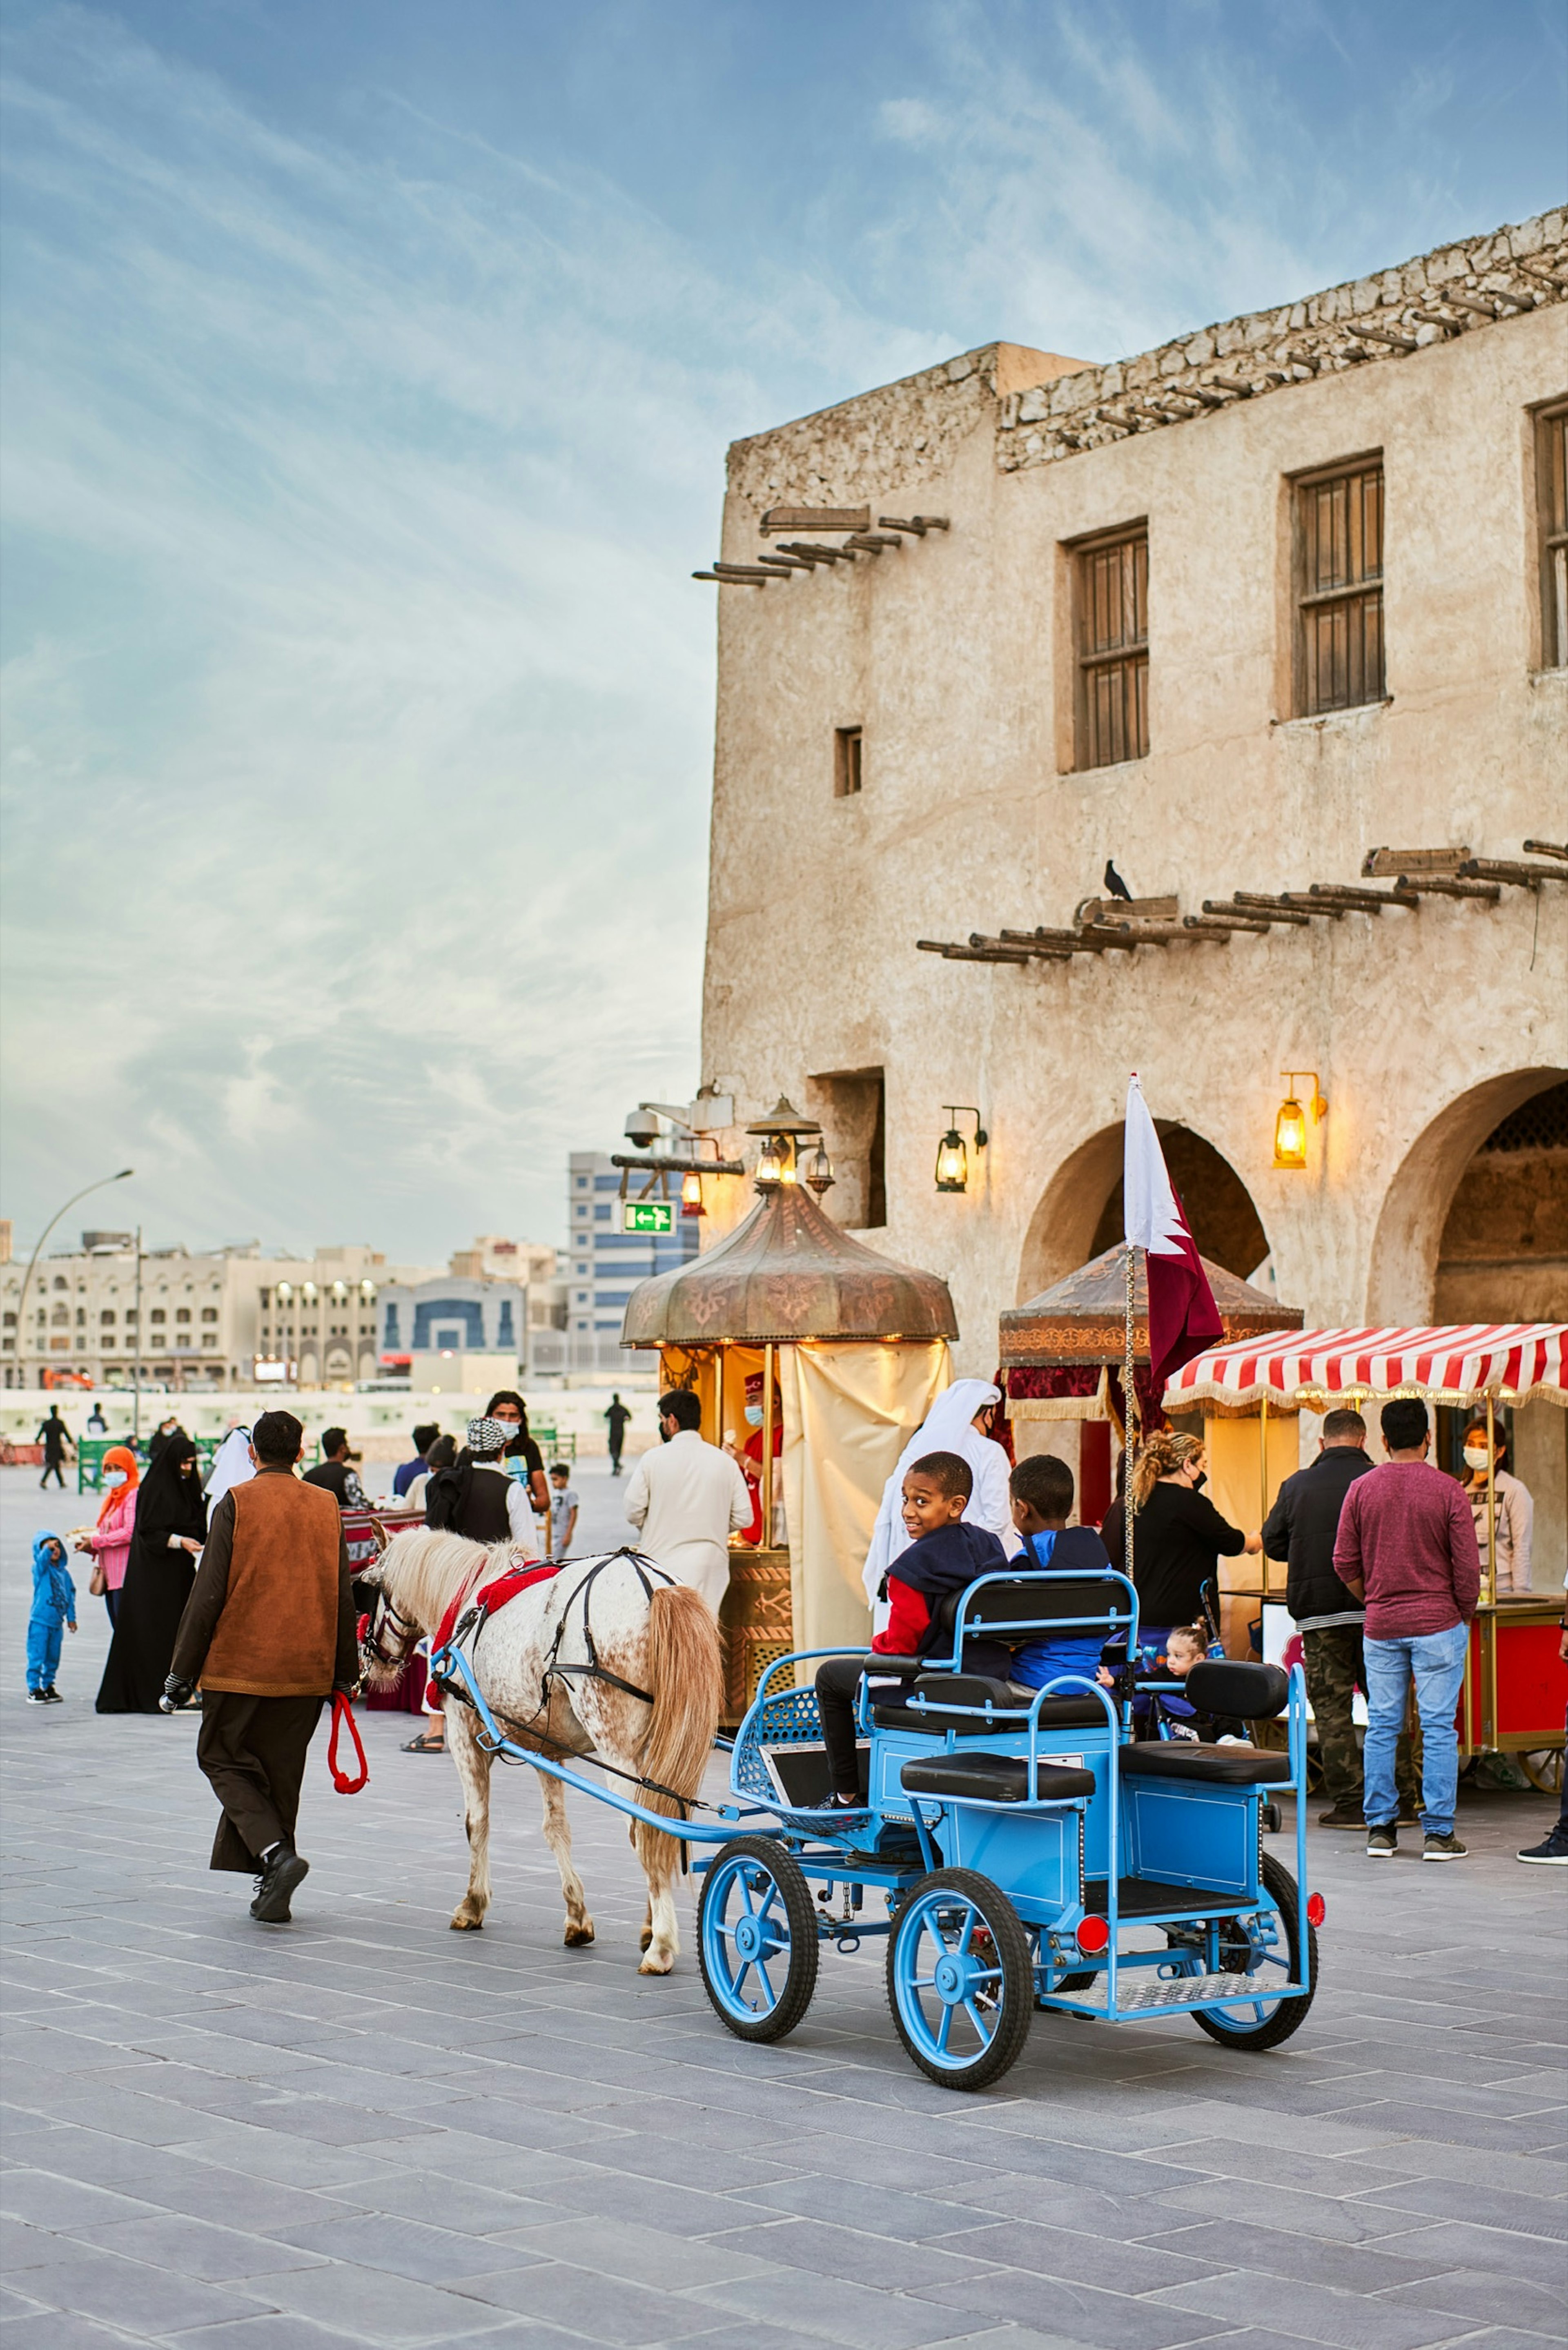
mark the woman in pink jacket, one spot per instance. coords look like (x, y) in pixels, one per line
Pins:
(109, 1541)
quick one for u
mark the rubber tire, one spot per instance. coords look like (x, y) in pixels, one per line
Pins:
(804, 1946)
(1289, 2014)
(1012, 1943)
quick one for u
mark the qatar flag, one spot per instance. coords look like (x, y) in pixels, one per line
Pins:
(1183, 1315)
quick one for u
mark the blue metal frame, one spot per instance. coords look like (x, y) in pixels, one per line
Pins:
(872, 1846)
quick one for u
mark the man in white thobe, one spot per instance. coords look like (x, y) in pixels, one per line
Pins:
(686, 1500)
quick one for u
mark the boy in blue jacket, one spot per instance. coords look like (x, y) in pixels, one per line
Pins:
(1042, 1490)
(54, 1603)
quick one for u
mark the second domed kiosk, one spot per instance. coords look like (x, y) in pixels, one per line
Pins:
(845, 1351)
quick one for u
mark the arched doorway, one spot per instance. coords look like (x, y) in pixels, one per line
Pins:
(1080, 1210)
(1503, 1253)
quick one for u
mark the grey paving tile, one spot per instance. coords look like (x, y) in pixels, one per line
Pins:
(1347, 2321)
(1331, 2219)
(131, 2296)
(457, 2203)
(830, 2308)
(1276, 2251)
(1476, 2295)
(879, 2209)
(606, 2309)
(830, 2251)
(1459, 2244)
(371, 2305)
(649, 2256)
(61, 2330)
(1068, 2253)
(1451, 2199)
(677, 2211)
(194, 2248)
(274, 2332)
(400, 2246)
(50, 2201)
(1108, 2320)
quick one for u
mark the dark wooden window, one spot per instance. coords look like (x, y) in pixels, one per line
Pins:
(845, 761)
(1111, 600)
(1339, 519)
(1551, 480)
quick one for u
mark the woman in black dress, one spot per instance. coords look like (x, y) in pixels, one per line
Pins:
(1179, 1535)
(171, 1527)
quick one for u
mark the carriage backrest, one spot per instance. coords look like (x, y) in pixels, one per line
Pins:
(1251, 1692)
(1017, 1609)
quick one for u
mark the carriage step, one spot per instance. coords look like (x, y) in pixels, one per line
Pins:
(1131, 1997)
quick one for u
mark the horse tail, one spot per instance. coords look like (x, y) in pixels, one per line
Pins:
(685, 1677)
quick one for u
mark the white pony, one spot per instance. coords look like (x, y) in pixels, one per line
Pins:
(611, 1657)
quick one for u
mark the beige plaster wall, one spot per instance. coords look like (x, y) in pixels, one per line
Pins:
(952, 654)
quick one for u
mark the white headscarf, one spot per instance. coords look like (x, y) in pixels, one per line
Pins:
(949, 1427)
(232, 1465)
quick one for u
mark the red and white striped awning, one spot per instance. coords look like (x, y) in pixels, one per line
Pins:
(1514, 1361)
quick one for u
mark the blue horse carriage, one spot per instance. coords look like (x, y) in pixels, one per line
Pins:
(1022, 1855)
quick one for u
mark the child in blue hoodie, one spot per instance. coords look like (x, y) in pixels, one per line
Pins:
(54, 1603)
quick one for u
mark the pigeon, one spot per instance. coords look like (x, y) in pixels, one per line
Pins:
(1114, 884)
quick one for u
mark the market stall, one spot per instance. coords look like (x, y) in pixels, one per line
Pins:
(845, 1351)
(1513, 1697)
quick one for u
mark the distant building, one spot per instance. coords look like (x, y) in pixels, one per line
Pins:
(602, 1264)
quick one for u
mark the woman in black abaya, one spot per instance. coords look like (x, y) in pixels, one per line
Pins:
(171, 1527)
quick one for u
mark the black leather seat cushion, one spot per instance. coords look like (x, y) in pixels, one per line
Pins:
(1056, 1713)
(993, 1778)
(1229, 1766)
(1251, 1691)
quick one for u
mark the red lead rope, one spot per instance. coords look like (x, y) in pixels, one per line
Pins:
(342, 1711)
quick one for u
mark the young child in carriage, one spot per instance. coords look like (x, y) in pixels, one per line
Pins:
(946, 1553)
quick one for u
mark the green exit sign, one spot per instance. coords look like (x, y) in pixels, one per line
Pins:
(648, 1216)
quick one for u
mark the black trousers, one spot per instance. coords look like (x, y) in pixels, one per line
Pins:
(837, 1681)
(253, 1750)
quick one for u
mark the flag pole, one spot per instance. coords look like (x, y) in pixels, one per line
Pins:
(1130, 1417)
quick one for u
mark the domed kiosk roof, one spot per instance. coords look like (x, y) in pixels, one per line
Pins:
(1081, 1320)
(788, 1272)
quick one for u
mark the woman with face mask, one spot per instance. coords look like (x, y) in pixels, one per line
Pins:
(109, 1541)
(1179, 1535)
(1515, 1509)
(171, 1527)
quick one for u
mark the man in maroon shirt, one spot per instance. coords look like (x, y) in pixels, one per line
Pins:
(1406, 1543)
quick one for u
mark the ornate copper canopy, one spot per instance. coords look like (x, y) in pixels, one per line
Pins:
(787, 1273)
(1081, 1320)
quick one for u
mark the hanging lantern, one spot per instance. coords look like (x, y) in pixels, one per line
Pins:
(1290, 1122)
(819, 1172)
(952, 1162)
(691, 1195)
(770, 1164)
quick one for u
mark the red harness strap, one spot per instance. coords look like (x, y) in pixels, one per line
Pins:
(494, 1595)
(342, 1711)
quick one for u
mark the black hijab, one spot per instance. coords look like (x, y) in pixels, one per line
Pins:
(158, 1580)
(168, 1501)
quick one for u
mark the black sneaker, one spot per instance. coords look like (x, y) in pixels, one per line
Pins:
(1347, 1814)
(1382, 1844)
(276, 1882)
(37, 1696)
(1444, 1848)
(52, 1695)
(1552, 1852)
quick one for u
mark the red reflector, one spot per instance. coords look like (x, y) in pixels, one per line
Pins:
(1093, 1935)
(1317, 1908)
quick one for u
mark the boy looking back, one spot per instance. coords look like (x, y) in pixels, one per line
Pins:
(1042, 1490)
(946, 1553)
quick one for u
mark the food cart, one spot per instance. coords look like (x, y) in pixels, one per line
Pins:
(1513, 1688)
(851, 1349)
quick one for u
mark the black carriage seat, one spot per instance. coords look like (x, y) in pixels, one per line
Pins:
(974, 1689)
(1249, 1692)
(1022, 1608)
(1229, 1766)
(995, 1778)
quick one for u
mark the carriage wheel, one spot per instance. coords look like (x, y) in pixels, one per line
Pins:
(1543, 1766)
(959, 1980)
(757, 1939)
(1265, 1946)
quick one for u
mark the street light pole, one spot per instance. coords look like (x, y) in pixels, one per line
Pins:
(136, 1357)
(43, 1236)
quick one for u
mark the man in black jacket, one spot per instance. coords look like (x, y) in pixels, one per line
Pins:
(1300, 1529)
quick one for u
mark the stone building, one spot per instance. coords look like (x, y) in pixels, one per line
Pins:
(1264, 619)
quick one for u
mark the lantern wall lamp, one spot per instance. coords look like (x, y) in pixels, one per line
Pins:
(1291, 1120)
(783, 1134)
(952, 1154)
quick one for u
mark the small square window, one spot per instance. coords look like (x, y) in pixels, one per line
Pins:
(847, 767)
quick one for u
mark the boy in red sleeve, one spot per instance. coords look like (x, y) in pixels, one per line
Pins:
(946, 1553)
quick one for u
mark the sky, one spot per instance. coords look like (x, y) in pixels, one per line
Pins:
(368, 375)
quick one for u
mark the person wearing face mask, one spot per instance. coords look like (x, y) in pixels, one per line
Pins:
(171, 1527)
(523, 1456)
(1179, 1535)
(110, 1540)
(750, 1453)
(1515, 1509)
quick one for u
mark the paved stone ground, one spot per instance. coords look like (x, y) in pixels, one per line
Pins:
(362, 2129)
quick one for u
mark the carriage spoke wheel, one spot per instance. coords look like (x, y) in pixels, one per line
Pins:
(757, 1939)
(1543, 1766)
(1263, 1945)
(959, 1980)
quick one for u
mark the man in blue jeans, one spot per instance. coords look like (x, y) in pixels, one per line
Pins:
(1407, 1543)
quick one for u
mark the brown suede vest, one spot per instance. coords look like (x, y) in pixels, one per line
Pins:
(277, 1635)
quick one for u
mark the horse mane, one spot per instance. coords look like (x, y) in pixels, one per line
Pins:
(422, 1572)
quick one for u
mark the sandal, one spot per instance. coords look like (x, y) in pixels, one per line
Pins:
(425, 1743)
